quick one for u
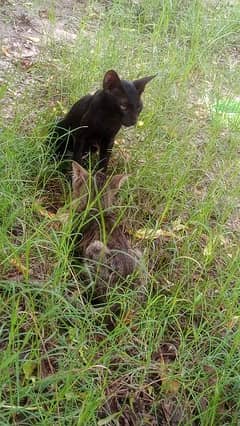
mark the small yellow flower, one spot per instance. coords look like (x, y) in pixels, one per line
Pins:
(140, 123)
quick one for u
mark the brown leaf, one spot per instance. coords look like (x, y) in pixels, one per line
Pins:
(19, 266)
(170, 386)
(60, 217)
(42, 211)
(128, 317)
(152, 234)
(5, 51)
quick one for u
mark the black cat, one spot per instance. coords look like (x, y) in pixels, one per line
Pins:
(93, 121)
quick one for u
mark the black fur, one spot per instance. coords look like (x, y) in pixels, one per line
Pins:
(93, 122)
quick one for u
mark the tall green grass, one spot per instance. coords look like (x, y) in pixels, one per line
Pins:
(59, 361)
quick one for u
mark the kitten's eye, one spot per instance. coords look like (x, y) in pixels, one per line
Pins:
(123, 107)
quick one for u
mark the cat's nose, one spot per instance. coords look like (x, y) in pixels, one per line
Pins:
(133, 119)
(129, 121)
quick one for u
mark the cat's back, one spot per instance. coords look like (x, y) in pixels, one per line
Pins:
(122, 257)
(74, 116)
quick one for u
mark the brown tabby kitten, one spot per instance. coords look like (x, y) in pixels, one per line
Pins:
(112, 259)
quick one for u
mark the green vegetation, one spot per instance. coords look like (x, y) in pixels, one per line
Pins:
(60, 363)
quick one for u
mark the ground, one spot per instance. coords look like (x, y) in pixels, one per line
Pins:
(174, 358)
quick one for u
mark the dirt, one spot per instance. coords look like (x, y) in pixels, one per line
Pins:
(26, 28)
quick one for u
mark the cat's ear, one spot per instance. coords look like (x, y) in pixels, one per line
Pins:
(79, 173)
(111, 80)
(116, 182)
(79, 177)
(112, 189)
(141, 83)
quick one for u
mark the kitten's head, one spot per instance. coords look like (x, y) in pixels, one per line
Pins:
(127, 95)
(96, 190)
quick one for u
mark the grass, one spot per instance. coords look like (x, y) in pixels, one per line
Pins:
(60, 364)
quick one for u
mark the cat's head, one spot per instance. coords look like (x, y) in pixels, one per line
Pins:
(127, 95)
(95, 190)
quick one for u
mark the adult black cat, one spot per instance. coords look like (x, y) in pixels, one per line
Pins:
(93, 121)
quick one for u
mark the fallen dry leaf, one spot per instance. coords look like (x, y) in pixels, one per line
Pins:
(151, 233)
(45, 213)
(5, 51)
(170, 386)
(19, 266)
(59, 218)
(128, 317)
(42, 211)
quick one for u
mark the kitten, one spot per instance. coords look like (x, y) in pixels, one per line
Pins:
(112, 260)
(93, 121)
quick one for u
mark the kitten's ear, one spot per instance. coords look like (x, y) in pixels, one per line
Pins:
(111, 80)
(112, 188)
(79, 177)
(116, 182)
(79, 173)
(141, 83)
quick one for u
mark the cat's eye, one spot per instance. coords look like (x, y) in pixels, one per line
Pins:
(123, 107)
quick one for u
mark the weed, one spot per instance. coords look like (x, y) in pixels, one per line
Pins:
(60, 364)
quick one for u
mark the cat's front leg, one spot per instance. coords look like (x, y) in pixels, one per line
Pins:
(79, 146)
(105, 153)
